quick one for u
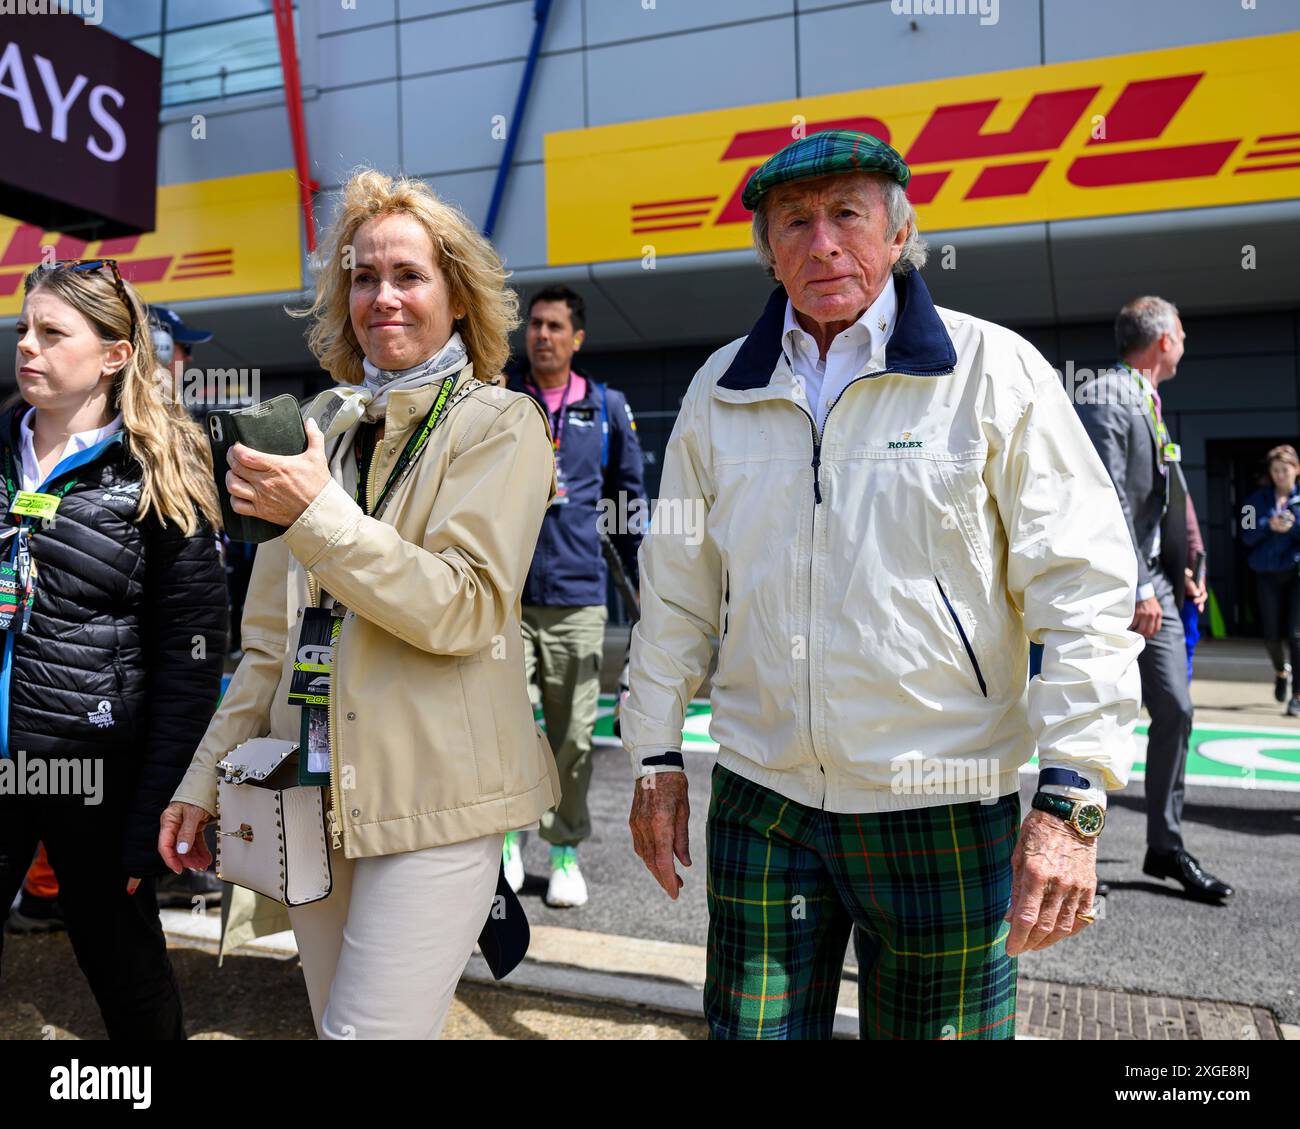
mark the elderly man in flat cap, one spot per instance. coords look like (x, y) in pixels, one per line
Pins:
(898, 498)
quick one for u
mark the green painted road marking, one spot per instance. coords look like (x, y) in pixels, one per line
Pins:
(1240, 756)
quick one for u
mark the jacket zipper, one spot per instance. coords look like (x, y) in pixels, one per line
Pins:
(370, 478)
(812, 557)
(331, 719)
(965, 642)
(817, 437)
(812, 552)
(119, 671)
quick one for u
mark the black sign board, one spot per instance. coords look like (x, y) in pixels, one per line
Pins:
(78, 126)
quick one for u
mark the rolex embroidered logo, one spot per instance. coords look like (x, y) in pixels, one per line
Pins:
(904, 441)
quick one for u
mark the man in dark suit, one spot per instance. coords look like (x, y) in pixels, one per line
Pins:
(1121, 411)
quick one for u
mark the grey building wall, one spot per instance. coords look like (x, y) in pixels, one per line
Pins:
(415, 86)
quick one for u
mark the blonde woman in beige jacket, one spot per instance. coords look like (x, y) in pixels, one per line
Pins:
(434, 754)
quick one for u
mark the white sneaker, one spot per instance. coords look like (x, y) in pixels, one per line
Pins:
(567, 888)
(513, 858)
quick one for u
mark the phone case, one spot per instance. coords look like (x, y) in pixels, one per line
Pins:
(274, 426)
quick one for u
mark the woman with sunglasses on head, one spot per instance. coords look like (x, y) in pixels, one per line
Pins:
(112, 600)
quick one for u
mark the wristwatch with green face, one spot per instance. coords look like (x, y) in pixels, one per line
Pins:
(1087, 819)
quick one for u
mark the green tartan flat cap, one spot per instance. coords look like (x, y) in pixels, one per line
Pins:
(821, 154)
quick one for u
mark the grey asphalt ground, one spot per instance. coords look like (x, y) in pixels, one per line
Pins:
(1150, 939)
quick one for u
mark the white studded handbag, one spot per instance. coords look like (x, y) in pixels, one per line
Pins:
(271, 829)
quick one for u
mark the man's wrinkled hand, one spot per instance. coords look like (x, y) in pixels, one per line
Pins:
(1053, 880)
(659, 821)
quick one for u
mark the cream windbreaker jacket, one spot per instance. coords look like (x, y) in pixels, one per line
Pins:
(875, 588)
(433, 740)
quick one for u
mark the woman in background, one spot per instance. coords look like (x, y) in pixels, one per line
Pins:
(1269, 526)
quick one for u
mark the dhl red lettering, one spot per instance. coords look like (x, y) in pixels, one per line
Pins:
(1143, 109)
(69, 248)
(765, 142)
(27, 245)
(954, 133)
(24, 247)
(1006, 180)
(762, 143)
(735, 211)
(113, 248)
(1177, 162)
(924, 186)
(138, 271)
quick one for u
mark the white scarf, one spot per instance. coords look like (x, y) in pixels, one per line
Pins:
(339, 408)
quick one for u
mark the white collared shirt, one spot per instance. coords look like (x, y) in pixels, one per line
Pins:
(32, 478)
(822, 381)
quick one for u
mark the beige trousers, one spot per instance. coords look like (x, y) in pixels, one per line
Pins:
(382, 955)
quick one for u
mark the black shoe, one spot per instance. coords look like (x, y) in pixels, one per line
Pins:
(177, 891)
(1103, 888)
(35, 915)
(1181, 867)
(1279, 685)
(1293, 708)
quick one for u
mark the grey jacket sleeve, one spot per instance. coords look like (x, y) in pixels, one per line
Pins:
(1109, 427)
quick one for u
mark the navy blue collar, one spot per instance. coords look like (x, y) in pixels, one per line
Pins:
(920, 345)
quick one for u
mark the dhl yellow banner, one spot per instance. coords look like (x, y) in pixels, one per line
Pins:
(1187, 127)
(215, 238)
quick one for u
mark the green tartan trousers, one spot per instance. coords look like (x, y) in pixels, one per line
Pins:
(923, 892)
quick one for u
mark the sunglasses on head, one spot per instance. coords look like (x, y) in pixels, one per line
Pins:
(79, 266)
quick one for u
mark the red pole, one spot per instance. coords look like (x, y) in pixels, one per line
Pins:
(293, 103)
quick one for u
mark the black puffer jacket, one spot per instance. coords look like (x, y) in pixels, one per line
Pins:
(122, 658)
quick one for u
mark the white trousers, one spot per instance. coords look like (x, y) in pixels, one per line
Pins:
(382, 955)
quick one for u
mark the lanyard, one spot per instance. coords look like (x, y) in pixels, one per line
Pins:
(11, 486)
(1163, 443)
(414, 448)
(557, 420)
